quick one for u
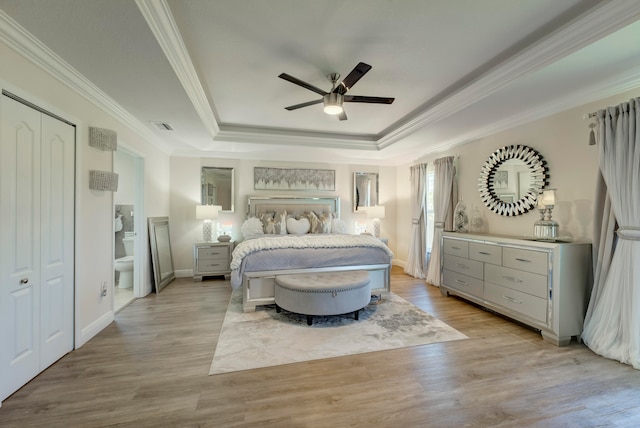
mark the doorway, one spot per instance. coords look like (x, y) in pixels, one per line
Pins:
(129, 228)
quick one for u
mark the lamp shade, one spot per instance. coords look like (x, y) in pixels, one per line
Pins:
(549, 197)
(207, 212)
(375, 211)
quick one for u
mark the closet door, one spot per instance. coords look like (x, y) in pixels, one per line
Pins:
(56, 239)
(36, 243)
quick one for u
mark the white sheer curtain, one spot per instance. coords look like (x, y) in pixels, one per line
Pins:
(416, 262)
(613, 326)
(442, 199)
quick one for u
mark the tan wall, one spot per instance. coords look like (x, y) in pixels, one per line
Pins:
(562, 140)
(185, 195)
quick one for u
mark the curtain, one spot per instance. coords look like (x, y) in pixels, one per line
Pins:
(443, 196)
(613, 327)
(604, 225)
(416, 263)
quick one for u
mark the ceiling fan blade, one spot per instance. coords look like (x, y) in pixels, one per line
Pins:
(352, 78)
(342, 116)
(363, 99)
(308, 103)
(305, 85)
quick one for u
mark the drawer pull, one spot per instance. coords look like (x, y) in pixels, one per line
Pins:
(455, 248)
(484, 253)
(462, 282)
(511, 278)
(523, 260)
(512, 300)
(463, 266)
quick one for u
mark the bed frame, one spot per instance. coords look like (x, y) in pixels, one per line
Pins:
(258, 288)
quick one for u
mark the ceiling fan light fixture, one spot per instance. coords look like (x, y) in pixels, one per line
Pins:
(333, 103)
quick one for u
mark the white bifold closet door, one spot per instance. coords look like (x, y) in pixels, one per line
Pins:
(37, 164)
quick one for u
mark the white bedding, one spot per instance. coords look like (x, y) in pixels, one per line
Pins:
(283, 252)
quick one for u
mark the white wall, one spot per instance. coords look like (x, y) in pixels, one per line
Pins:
(562, 140)
(185, 195)
(94, 209)
(124, 167)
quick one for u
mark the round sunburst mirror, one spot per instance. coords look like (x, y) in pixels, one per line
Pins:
(511, 179)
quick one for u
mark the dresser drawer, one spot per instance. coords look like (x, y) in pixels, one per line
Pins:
(522, 303)
(463, 283)
(527, 260)
(455, 247)
(526, 282)
(485, 253)
(217, 253)
(213, 265)
(464, 266)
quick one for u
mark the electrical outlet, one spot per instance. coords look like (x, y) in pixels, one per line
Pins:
(103, 289)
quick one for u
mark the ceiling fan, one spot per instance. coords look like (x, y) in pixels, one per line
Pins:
(333, 100)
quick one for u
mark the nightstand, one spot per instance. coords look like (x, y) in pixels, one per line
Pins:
(212, 259)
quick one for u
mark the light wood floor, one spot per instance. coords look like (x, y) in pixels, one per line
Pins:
(149, 369)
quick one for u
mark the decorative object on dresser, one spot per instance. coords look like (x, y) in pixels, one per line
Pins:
(212, 259)
(511, 179)
(546, 228)
(207, 213)
(545, 285)
(376, 213)
(460, 217)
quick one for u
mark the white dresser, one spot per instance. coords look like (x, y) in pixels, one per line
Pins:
(212, 259)
(542, 284)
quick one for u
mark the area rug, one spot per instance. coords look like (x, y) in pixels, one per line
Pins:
(265, 338)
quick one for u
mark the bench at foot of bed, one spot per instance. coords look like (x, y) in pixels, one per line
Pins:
(323, 293)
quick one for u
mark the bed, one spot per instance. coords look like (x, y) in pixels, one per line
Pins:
(257, 261)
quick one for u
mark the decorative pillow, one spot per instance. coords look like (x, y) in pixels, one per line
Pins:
(315, 226)
(281, 223)
(252, 228)
(298, 227)
(339, 226)
(325, 220)
(268, 222)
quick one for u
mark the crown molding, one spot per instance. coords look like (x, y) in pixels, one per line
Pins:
(256, 135)
(598, 22)
(161, 22)
(20, 40)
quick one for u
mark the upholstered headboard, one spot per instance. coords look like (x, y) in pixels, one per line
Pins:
(260, 204)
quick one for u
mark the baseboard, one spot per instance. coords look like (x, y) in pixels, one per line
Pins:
(398, 262)
(87, 333)
(184, 273)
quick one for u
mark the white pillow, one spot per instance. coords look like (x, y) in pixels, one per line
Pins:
(252, 228)
(339, 226)
(298, 227)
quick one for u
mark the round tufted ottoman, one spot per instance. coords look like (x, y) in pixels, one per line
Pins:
(323, 293)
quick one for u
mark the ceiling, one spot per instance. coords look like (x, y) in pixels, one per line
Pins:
(459, 70)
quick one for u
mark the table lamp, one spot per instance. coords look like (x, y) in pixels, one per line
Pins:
(207, 213)
(376, 213)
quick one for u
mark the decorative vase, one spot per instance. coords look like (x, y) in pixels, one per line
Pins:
(460, 218)
(477, 223)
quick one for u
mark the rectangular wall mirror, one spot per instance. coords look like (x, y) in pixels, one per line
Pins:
(217, 186)
(365, 190)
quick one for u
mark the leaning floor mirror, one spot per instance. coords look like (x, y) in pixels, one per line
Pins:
(161, 258)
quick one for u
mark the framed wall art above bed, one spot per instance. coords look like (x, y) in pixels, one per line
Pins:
(293, 179)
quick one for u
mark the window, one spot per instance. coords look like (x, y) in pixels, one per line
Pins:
(430, 215)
